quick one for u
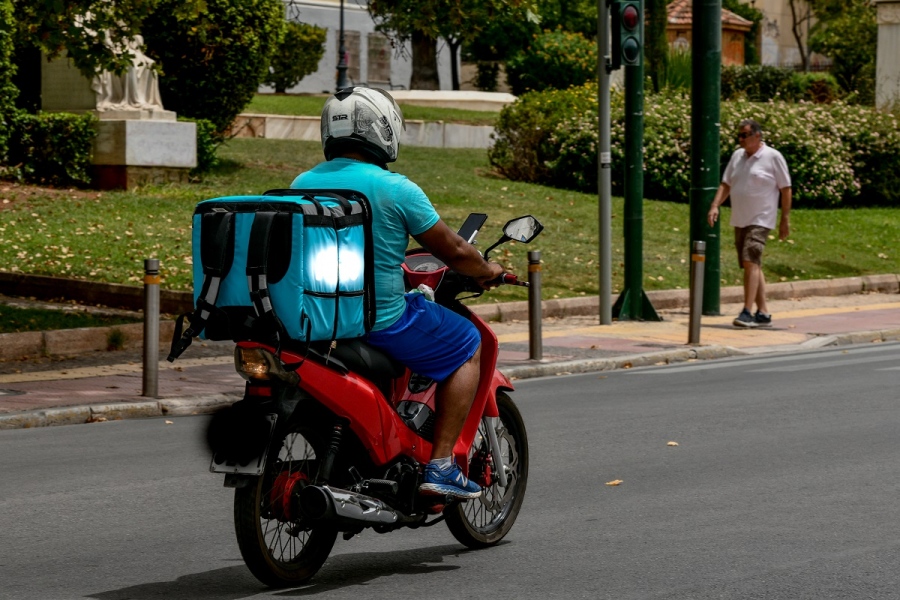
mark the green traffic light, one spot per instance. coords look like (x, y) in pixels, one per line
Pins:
(631, 50)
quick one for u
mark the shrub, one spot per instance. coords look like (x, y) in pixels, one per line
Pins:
(555, 59)
(51, 149)
(296, 57)
(522, 147)
(821, 88)
(7, 89)
(754, 82)
(208, 141)
(837, 154)
(212, 61)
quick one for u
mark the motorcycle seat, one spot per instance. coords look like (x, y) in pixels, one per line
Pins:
(353, 354)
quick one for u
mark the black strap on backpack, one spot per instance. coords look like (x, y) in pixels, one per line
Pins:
(257, 274)
(217, 254)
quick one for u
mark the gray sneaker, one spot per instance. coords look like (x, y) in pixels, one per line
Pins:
(762, 319)
(745, 319)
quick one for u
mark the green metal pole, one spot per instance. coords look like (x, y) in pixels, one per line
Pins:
(706, 67)
(633, 304)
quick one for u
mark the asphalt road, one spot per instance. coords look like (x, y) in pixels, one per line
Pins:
(784, 484)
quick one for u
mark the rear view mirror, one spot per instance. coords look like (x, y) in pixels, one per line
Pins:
(522, 229)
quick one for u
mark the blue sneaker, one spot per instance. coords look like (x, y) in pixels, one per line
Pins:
(449, 482)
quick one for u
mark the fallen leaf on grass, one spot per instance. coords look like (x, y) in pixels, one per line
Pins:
(614, 482)
(671, 443)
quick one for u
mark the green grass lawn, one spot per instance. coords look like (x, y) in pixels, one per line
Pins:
(14, 319)
(106, 236)
(311, 106)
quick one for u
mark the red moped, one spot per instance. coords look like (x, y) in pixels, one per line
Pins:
(334, 438)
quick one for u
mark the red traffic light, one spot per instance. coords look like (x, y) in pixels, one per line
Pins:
(630, 17)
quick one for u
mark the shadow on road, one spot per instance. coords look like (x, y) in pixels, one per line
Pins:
(233, 583)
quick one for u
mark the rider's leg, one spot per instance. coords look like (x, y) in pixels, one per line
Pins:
(454, 398)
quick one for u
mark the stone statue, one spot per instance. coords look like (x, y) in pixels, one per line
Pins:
(137, 89)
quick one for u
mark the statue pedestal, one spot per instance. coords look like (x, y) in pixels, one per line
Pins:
(133, 148)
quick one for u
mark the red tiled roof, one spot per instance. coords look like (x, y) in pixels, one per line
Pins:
(680, 14)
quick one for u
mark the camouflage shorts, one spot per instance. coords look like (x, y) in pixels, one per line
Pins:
(750, 242)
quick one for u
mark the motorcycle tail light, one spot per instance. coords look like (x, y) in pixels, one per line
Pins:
(260, 364)
(252, 363)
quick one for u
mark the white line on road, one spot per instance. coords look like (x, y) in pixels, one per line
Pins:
(742, 363)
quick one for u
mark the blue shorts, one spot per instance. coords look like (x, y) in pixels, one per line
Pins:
(429, 339)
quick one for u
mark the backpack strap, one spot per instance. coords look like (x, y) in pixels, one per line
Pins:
(216, 254)
(257, 272)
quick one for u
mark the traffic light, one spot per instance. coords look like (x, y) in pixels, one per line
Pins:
(627, 24)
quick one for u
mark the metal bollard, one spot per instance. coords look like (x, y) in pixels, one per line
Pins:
(535, 339)
(151, 328)
(698, 258)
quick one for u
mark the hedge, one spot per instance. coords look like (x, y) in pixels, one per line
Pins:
(838, 153)
(50, 149)
(759, 83)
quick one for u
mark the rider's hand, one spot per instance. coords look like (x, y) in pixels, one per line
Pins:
(489, 281)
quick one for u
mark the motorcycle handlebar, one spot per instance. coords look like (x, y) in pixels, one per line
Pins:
(509, 279)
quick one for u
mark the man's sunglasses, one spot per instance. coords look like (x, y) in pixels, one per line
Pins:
(743, 135)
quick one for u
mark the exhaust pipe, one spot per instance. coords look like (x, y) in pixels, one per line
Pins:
(327, 503)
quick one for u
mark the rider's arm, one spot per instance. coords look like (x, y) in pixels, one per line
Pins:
(457, 253)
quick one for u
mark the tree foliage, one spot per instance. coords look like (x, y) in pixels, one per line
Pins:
(847, 32)
(7, 90)
(93, 33)
(213, 57)
(296, 57)
(556, 59)
(579, 16)
(457, 21)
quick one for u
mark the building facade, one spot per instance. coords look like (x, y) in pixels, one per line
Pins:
(370, 57)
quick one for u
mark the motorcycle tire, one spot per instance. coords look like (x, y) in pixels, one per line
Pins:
(484, 521)
(277, 548)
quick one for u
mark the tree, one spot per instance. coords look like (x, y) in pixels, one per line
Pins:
(799, 14)
(579, 16)
(656, 44)
(214, 57)
(92, 33)
(424, 21)
(848, 34)
(296, 57)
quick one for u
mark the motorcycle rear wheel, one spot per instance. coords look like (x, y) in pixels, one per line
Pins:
(484, 521)
(278, 550)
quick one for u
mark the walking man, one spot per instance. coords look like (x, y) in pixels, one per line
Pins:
(756, 178)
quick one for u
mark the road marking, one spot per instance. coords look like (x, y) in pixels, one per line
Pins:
(781, 358)
(111, 370)
(828, 363)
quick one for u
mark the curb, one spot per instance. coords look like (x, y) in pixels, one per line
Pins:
(208, 404)
(117, 411)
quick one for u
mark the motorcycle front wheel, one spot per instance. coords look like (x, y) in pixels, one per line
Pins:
(278, 548)
(486, 520)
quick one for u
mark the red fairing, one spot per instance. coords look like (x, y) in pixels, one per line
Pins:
(371, 418)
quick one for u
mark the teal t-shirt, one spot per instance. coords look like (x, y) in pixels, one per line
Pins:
(399, 209)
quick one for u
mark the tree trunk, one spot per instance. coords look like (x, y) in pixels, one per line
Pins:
(424, 63)
(454, 65)
(656, 45)
(796, 24)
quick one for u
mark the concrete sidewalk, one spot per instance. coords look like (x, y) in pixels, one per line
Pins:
(89, 390)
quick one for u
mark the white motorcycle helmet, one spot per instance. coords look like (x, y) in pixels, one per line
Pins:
(362, 119)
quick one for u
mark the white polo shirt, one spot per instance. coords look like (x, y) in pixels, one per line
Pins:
(756, 183)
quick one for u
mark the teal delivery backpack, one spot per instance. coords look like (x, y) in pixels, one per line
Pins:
(287, 265)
